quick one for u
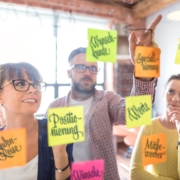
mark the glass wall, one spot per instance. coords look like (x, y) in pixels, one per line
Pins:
(45, 38)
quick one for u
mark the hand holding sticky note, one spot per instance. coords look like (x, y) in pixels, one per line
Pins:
(65, 125)
(89, 170)
(147, 61)
(102, 46)
(138, 111)
(147, 57)
(12, 148)
(153, 149)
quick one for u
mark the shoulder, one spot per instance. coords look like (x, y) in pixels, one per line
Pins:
(42, 126)
(102, 93)
(156, 123)
(149, 129)
(58, 102)
(109, 97)
(155, 120)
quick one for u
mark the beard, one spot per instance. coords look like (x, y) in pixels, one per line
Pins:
(83, 89)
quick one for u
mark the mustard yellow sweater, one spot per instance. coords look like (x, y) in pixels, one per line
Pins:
(162, 171)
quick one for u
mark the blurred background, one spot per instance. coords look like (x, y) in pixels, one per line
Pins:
(44, 32)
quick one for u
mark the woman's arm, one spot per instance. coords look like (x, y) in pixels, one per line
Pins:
(62, 163)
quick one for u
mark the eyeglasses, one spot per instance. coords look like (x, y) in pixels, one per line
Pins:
(22, 85)
(82, 68)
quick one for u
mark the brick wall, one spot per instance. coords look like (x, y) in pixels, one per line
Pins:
(119, 76)
(123, 77)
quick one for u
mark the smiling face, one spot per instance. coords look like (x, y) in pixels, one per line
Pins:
(82, 82)
(16, 102)
(172, 95)
(20, 102)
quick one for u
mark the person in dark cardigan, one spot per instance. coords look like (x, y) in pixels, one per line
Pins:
(21, 86)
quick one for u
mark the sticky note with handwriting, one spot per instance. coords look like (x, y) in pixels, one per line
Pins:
(65, 125)
(13, 151)
(153, 149)
(147, 61)
(89, 170)
(102, 46)
(138, 111)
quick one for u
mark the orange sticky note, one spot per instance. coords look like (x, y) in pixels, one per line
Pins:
(147, 61)
(12, 148)
(153, 149)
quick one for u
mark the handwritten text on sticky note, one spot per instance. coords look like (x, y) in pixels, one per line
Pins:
(138, 111)
(147, 61)
(153, 149)
(89, 170)
(65, 125)
(102, 46)
(12, 148)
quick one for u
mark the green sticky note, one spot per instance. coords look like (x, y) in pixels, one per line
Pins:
(138, 111)
(177, 60)
(65, 125)
(102, 46)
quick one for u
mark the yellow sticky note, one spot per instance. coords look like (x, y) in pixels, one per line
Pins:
(138, 111)
(177, 60)
(13, 151)
(147, 61)
(102, 46)
(153, 149)
(65, 125)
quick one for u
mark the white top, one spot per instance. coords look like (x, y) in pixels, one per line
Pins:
(26, 172)
(82, 150)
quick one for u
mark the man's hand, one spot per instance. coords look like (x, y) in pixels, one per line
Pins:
(145, 39)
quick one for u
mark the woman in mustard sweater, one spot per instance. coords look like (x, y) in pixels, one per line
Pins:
(167, 170)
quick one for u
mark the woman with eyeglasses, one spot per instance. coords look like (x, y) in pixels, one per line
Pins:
(21, 86)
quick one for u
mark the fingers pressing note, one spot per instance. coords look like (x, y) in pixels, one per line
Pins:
(155, 22)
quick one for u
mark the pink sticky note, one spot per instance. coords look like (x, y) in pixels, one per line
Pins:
(89, 170)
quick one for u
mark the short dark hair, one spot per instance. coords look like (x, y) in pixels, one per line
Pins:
(76, 52)
(173, 77)
(11, 71)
